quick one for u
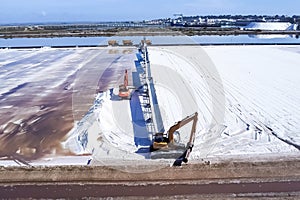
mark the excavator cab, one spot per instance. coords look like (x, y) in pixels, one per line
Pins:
(160, 141)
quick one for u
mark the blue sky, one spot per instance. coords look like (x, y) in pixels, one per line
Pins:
(24, 11)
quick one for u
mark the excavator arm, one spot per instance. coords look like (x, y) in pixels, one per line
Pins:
(184, 157)
(179, 124)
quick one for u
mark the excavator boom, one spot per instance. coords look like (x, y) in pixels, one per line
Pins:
(179, 124)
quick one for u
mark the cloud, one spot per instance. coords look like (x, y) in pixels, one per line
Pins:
(44, 13)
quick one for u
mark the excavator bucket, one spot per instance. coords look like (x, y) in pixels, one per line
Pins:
(183, 157)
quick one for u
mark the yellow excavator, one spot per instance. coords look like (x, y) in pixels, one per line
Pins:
(168, 141)
(163, 141)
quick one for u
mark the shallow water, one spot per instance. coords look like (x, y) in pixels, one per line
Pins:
(157, 40)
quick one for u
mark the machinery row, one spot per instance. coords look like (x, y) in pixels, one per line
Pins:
(163, 143)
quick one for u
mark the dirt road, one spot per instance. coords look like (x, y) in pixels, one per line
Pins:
(159, 190)
(231, 178)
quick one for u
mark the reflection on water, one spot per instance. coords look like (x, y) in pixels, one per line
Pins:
(248, 39)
